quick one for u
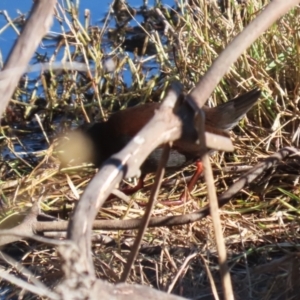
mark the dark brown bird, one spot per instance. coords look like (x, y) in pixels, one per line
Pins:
(108, 138)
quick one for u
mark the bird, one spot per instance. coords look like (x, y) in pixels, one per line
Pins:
(103, 139)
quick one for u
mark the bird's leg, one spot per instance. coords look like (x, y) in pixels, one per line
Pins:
(189, 188)
(139, 186)
(184, 195)
(193, 181)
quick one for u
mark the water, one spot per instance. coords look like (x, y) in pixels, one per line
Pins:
(16, 7)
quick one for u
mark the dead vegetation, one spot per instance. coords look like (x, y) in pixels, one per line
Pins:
(260, 224)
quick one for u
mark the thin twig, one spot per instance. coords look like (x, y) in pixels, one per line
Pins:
(145, 220)
(214, 209)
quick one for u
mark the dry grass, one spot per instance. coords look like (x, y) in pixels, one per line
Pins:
(261, 225)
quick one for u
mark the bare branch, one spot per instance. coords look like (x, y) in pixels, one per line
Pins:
(116, 168)
(36, 27)
(274, 10)
(241, 183)
(38, 288)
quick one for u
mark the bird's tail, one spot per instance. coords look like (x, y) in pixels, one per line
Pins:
(228, 114)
